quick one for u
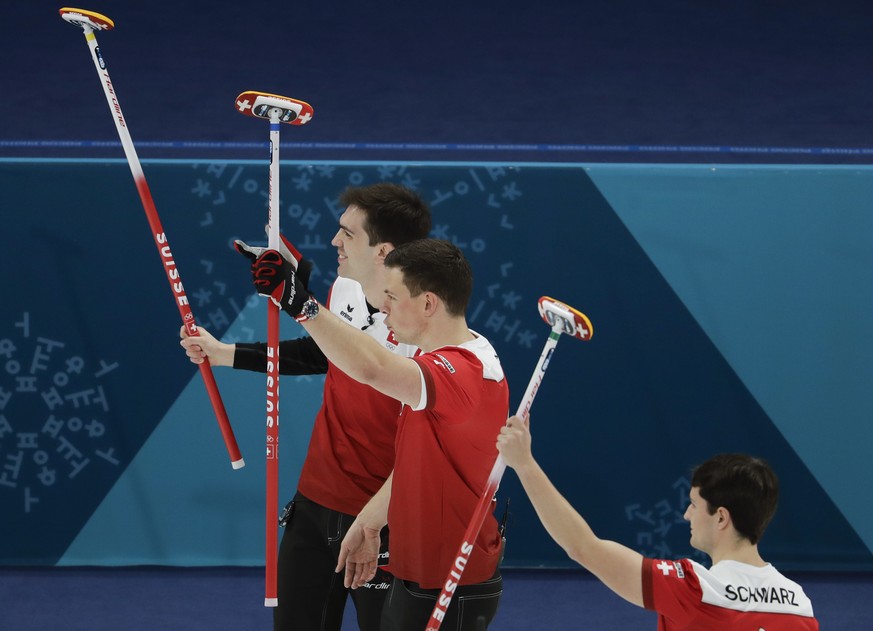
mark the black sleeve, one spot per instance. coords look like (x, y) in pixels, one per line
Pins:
(296, 357)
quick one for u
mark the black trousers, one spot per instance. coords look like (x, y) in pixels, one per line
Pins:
(472, 608)
(311, 595)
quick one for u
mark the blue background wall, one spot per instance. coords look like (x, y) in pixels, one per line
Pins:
(729, 307)
(729, 300)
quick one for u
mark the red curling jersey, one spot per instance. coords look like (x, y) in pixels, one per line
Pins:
(351, 451)
(730, 595)
(446, 447)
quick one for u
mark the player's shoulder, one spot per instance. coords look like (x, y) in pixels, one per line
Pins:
(675, 568)
(484, 351)
(739, 585)
(345, 290)
(477, 351)
(347, 300)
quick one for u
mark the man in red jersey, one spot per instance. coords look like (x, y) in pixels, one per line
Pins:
(351, 451)
(453, 400)
(733, 498)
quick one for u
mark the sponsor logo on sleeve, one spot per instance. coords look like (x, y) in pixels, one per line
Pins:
(444, 362)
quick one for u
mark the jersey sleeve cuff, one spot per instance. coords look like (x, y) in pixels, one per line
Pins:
(648, 587)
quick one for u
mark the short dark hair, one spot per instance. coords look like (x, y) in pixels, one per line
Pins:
(746, 486)
(436, 266)
(394, 214)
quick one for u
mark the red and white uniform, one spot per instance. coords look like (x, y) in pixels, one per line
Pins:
(730, 595)
(351, 452)
(446, 447)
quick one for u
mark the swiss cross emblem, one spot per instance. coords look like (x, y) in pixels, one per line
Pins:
(391, 338)
(666, 567)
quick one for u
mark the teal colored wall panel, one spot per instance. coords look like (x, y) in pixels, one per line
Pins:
(776, 265)
(179, 505)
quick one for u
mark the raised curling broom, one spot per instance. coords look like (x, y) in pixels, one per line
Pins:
(564, 320)
(277, 110)
(90, 22)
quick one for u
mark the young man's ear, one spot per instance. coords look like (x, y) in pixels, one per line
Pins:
(724, 517)
(383, 250)
(431, 301)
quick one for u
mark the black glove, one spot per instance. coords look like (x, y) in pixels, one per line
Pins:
(275, 278)
(301, 266)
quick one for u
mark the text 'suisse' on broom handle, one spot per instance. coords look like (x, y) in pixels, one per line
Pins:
(563, 319)
(277, 110)
(91, 22)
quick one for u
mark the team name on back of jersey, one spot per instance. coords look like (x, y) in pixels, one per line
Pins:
(771, 595)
